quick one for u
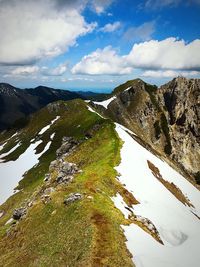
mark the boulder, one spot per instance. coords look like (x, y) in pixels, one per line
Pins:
(66, 139)
(45, 199)
(69, 168)
(19, 213)
(49, 190)
(47, 177)
(66, 146)
(62, 178)
(72, 198)
(53, 164)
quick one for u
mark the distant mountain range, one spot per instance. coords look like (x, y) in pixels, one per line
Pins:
(16, 104)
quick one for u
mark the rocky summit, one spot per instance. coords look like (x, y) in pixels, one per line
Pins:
(166, 118)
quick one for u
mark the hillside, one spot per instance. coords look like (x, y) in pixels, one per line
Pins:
(93, 189)
(84, 233)
(16, 104)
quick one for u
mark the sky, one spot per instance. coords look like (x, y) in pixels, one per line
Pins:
(98, 44)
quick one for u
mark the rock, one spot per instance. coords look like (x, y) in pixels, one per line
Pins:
(64, 179)
(165, 119)
(66, 146)
(72, 198)
(45, 199)
(49, 190)
(30, 204)
(19, 213)
(66, 139)
(53, 164)
(47, 177)
(150, 227)
(69, 168)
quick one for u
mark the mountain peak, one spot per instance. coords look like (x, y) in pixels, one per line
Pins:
(7, 89)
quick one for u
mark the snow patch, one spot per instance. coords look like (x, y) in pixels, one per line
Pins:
(6, 141)
(52, 136)
(121, 205)
(43, 130)
(92, 110)
(105, 103)
(10, 151)
(127, 88)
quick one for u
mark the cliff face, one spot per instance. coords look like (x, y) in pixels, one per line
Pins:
(181, 99)
(166, 118)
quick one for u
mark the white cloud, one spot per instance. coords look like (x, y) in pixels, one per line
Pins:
(99, 6)
(58, 71)
(31, 30)
(102, 61)
(80, 79)
(169, 73)
(169, 53)
(140, 33)
(111, 27)
(27, 70)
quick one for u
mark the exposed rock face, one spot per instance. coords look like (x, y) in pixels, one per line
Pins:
(72, 198)
(65, 170)
(68, 144)
(166, 118)
(181, 97)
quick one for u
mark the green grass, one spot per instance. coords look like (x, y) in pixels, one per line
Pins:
(125, 85)
(87, 232)
(165, 129)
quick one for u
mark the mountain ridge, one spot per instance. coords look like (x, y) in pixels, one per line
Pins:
(17, 104)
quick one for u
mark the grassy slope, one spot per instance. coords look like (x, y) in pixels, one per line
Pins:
(86, 233)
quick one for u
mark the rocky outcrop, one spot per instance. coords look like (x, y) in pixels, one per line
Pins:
(72, 198)
(19, 213)
(67, 146)
(65, 170)
(166, 118)
(181, 99)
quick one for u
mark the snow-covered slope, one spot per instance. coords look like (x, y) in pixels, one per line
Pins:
(12, 171)
(105, 103)
(177, 223)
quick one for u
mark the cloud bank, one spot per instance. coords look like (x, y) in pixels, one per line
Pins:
(31, 30)
(168, 54)
(102, 61)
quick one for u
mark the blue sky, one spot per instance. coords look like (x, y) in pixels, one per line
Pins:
(98, 44)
